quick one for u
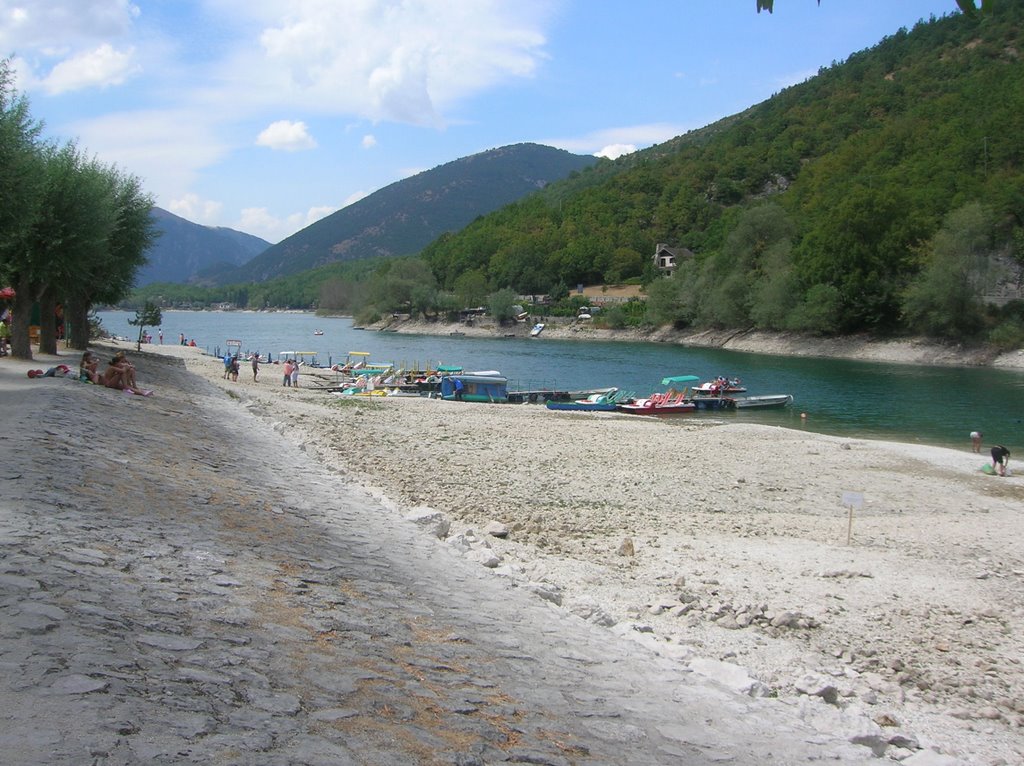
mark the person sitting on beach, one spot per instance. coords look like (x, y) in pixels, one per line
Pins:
(88, 371)
(120, 373)
(1000, 459)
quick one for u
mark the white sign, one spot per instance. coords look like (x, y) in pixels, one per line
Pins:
(853, 499)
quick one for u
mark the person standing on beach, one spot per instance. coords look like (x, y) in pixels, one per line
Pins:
(181, 338)
(255, 366)
(161, 334)
(295, 373)
(1000, 459)
(976, 440)
(287, 373)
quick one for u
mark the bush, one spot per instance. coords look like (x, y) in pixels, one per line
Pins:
(1008, 336)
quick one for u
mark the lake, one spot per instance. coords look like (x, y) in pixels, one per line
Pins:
(930, 405)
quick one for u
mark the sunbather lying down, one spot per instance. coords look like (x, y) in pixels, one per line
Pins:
(54, 372)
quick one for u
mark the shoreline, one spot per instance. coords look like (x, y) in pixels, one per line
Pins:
(722, 546)
(863, 348)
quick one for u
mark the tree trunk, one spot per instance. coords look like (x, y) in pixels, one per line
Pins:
(77, 313)
(47, 322)
(21, 315)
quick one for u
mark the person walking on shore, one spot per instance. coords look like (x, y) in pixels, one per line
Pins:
(1000, 459)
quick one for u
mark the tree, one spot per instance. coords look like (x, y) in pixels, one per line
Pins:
(943, 300)
(501, 304)
(148, 316)
(21, 187)
(110, 273)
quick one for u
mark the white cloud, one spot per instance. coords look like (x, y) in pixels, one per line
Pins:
(262, 223)
(197, 210)
(314, 214)
(614, 151)
(62, 25)
(407, 62)
(166, 149)
(287, 136)
(101, 67)
(623, 140)
(369, 141)
(354, 197)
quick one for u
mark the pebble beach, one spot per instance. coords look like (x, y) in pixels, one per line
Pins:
(867, 591)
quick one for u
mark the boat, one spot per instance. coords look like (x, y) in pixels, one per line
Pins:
(537, 329)
(601, 402)
(720, 386)
(768, 400)
(483, 386)
(658, 404)
(702, 399)
(318, 332)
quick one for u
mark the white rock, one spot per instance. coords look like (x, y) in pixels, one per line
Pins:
(546, 590)
(931, 758)
(496, 529)
(433, 522)
(726, 673)
(485, 556)
(814, 685)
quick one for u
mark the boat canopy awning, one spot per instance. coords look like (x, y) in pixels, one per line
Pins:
(448, 368)
(679, 379)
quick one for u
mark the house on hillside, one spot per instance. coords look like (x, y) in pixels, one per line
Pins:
(667, 258)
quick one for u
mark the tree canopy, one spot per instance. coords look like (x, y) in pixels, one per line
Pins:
(72, 230)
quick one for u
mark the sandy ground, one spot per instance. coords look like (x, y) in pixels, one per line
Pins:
(721, 541)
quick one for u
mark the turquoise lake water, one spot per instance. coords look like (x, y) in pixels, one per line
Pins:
(930, 405)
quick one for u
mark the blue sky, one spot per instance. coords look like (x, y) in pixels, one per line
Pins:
(265, 115)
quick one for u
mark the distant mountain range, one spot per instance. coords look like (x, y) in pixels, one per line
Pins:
(184, 251)
(404, 217)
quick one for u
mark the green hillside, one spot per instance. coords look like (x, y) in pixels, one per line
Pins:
(402, 218)
(883, 194)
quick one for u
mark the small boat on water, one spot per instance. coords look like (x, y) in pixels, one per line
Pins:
(720, 386)
(658, 404)
(768, 400)
(537, 329)
(318, 332)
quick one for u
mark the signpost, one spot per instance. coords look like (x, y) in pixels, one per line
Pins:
(852, 500)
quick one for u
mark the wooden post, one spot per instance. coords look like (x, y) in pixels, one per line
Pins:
(851, 500)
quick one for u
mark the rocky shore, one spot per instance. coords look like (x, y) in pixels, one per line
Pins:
(728, 547)
(271, 571)
(865, 348)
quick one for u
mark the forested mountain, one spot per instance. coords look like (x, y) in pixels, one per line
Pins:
(184, 250)
(883, 194)
(402, 218)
